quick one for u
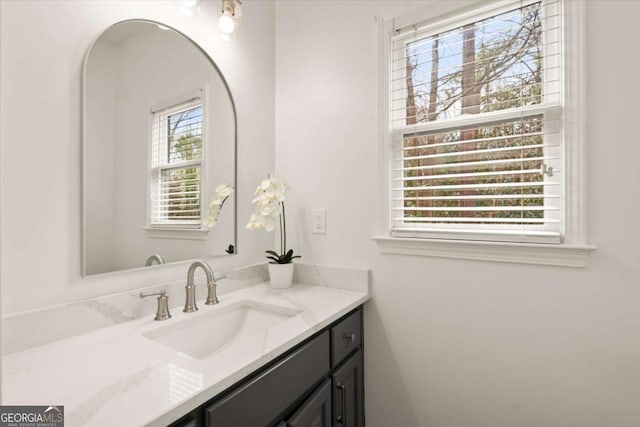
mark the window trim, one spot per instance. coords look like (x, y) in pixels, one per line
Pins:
(574, 250)
(176, 233)
(563, 255)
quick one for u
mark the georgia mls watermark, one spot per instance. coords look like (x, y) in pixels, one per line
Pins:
(31, 416)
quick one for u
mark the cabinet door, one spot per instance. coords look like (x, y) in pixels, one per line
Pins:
(348, 393)
(316, 410)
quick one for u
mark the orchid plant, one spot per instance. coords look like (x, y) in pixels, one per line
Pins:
(269, 203)
(222, 193)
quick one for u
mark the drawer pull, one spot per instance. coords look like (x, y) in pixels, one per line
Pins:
(342, 418)
(350, 337)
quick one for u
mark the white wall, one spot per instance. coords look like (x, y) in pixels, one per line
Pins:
(453, 343)
(42, 45)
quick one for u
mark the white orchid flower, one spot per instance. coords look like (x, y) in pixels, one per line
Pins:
(275, 180)
(269, 209)
(212, 220)
(279, 189)
(224, 190)
(214, 213)
(268, 202)
(269, 224)
(268, 194)
(254, 222)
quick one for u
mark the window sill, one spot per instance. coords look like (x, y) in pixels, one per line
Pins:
(564, 255)
(176, 233)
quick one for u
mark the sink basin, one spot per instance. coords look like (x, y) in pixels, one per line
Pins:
(208, 333)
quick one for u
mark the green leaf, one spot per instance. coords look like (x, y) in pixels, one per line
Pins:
(285, 258)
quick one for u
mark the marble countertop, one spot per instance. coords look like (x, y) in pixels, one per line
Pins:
(116, 376)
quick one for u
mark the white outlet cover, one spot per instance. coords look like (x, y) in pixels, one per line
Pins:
(319, 221)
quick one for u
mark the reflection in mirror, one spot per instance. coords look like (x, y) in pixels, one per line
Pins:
(159, 147)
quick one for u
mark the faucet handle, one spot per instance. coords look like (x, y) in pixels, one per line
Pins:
(162, 293)
(163, 304)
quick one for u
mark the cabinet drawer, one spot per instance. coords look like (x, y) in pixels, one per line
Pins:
(259, 401)
(346, 336)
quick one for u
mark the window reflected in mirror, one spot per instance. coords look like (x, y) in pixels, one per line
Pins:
(159, 138)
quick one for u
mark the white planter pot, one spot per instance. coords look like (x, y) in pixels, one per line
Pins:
(281, 275)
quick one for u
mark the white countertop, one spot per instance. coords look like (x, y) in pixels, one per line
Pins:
(115, 376)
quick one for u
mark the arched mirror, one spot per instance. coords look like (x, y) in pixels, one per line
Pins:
(159, 151)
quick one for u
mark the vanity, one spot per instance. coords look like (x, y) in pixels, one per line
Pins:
(319, 382)
(262, 356)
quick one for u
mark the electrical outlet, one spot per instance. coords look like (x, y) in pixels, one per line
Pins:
(319, 221)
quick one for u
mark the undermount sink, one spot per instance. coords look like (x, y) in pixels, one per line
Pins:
(208, 333)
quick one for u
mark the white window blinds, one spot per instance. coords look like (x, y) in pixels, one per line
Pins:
(476, 127)
(176, 163)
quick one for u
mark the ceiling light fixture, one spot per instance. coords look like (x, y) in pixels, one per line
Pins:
(230, 16)
(188, 7)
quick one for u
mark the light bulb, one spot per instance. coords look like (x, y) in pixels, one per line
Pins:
(226, 23)
(230, 16)
(188, 7)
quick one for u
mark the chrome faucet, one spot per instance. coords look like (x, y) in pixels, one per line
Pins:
(212, 298)
(157, 258)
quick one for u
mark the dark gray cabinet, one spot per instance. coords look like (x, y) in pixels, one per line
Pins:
(269, 394)
(348, 390)
(318, 383)
(189, 421)
(315, 411)
(346, 337)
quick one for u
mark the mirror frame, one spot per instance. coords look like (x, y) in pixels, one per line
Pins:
(83, 141)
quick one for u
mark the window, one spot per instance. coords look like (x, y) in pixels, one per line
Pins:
(175, 165)
(476, 126)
